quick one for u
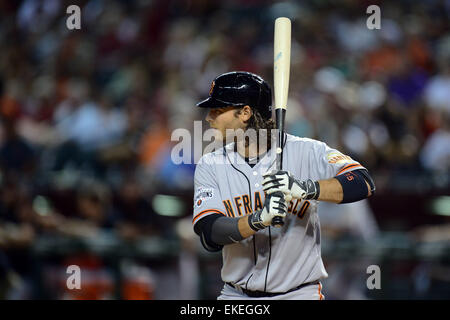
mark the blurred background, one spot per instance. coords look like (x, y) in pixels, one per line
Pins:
(86, 115)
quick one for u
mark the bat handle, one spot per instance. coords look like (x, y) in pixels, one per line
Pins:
(277, 222)
(280, 115)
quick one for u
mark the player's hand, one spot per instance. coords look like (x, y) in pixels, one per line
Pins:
(283, 181)
(275, 205)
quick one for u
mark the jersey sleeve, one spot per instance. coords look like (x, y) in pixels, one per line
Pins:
(207, 199)
(330, 162)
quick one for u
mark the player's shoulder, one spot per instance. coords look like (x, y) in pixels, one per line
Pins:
(303, 141)
(214, 157)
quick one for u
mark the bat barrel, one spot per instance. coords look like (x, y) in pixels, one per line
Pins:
(281, 61)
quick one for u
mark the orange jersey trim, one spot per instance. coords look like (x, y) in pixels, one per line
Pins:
(320, 293)
(348, 167)
(201, 214)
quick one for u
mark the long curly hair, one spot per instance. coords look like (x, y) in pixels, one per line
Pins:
(261, 125)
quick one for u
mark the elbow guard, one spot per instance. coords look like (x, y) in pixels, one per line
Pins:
(368, 179)
(354, 185)
(203, 228)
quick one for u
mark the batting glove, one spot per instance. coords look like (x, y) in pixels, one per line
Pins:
(275, 205)
(283, 181)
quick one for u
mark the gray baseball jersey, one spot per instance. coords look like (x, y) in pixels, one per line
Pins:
(274, 259)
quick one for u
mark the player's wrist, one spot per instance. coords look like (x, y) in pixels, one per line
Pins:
(256, 222)
(307, 189)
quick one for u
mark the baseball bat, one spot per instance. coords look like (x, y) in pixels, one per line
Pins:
(281, 68)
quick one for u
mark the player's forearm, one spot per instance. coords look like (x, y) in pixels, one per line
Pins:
(226, 230)
(244, 227)
(330, 190)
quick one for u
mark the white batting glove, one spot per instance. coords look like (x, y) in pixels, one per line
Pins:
(275, 205)
(283, 181)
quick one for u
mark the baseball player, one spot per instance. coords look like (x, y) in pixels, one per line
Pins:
(238, 193)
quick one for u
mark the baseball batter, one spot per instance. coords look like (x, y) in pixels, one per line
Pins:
(238, 193)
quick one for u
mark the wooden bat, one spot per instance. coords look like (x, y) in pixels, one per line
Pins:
(281, 68)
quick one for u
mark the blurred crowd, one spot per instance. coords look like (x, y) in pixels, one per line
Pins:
(87, 115)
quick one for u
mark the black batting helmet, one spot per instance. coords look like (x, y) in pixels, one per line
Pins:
(239, 88)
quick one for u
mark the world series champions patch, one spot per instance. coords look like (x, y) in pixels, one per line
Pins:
(202, 195)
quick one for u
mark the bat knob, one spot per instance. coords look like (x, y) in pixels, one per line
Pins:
(277, 222)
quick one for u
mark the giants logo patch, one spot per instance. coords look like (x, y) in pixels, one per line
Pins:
(339, 158)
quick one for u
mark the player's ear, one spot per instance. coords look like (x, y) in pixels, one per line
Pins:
(246, 113)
